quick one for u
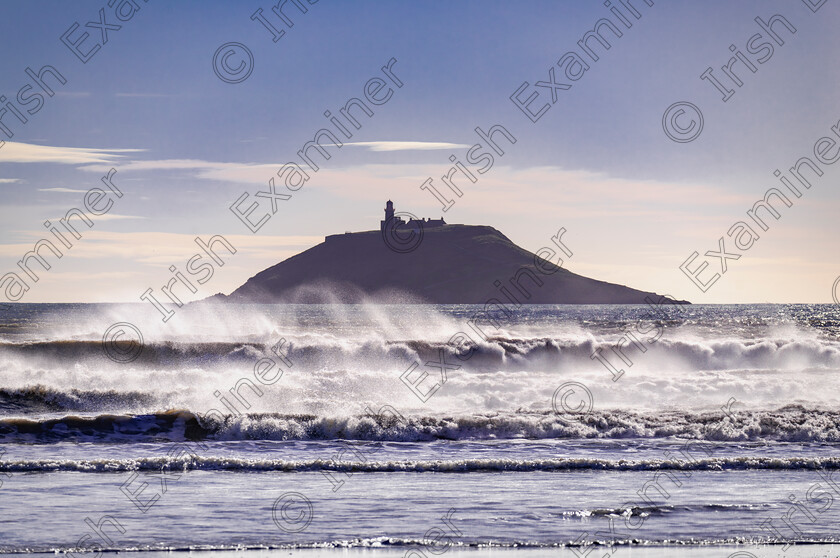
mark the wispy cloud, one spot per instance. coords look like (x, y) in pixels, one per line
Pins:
(143, 95)
(106, 217)
(259, 172)
(209, 170)
(14, 152)
(166, 164)
(9, 180)
(406, 145)
(66, 190)
(161, 248)
(507, 190)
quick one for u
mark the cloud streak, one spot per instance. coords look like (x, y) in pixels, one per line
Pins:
(163, 248)
(15, 152)
(143, 95)
(406, 145)
(106, 217)
(206, 170)
(65, 190)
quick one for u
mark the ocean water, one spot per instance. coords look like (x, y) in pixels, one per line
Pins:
(421, 430)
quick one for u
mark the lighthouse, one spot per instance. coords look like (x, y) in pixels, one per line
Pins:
(389, 216)
(400, 223)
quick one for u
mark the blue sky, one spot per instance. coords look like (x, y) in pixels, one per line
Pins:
(636, 204)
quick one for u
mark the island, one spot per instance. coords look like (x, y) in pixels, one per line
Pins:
(429, 261)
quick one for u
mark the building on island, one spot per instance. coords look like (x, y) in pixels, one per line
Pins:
(393, 221)
(399, 223)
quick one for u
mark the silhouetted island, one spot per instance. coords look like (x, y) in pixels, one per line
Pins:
(429, 261)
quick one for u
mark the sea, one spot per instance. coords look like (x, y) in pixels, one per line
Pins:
(419, 430)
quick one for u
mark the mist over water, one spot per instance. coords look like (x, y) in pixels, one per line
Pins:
(344, 358)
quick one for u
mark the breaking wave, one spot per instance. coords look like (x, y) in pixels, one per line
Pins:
(497, 352)
(789, 424)
(41, 399)
(194, 462)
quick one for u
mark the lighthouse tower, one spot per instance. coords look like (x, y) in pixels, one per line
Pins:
(389, 215)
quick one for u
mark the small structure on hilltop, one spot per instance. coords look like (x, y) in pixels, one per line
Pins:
(399, 223)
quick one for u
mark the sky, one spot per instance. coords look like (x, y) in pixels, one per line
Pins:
(195, 105)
